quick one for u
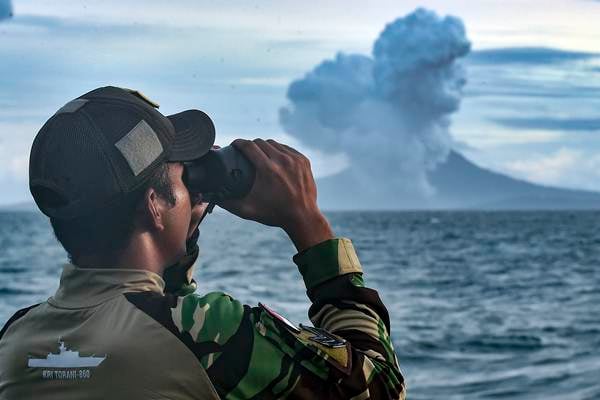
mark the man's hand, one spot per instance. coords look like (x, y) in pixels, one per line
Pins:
(284, 193)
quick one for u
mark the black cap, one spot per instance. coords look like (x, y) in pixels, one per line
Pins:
(106, 144)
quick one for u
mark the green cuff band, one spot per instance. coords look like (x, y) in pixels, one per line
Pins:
(327, 260)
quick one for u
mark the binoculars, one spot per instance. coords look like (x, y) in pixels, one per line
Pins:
(220, 174)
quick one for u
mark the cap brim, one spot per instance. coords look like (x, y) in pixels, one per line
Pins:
(194, 135)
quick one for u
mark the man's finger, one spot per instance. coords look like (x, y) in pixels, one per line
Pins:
(290, 151)
(277, 145)
(284, 147)
(256, 156)
(290, 148)
(268, 149)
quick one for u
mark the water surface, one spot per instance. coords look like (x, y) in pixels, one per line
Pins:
(501, 305)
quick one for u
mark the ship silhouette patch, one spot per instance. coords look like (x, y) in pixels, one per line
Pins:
(66, 364)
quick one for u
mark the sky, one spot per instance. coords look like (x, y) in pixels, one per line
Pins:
(528, 107)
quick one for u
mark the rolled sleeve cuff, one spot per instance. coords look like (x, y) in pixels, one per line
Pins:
(327, 260)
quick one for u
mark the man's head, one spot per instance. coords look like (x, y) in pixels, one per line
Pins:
(108, 165)
(162, 209)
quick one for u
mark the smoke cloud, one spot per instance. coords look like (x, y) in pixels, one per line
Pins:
(6, 10)
(389, 112)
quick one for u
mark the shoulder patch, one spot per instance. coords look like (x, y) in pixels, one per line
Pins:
(316, 349)
(333, 348)
(323, 337)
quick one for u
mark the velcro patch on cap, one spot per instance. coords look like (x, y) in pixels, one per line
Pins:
(72, 106)
(140, 147)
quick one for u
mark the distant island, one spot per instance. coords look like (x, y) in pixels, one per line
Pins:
(21, 206)
(459, 184)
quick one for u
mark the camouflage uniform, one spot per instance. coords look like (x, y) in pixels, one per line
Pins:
(252, 352)
(279, 361)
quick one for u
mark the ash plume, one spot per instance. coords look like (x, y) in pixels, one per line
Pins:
(6, 10)
(389, 113)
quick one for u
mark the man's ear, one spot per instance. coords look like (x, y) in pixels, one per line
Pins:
(154, 210)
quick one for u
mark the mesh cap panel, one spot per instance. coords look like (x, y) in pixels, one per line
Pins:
(64, 141)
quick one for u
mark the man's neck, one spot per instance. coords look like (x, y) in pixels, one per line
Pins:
(139, 254)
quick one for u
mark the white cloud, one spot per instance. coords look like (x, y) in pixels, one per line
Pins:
(492, 23)
(15, 145)
(19, 167)
(488, 139)
(322, 163)
(263, 81)
(566, 167)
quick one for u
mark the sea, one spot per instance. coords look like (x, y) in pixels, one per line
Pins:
(483, 305)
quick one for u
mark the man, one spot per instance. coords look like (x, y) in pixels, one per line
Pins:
(107, 169)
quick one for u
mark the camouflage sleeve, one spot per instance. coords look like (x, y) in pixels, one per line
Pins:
(253, 353)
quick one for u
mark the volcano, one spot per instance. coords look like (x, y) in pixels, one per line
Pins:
(459, 184)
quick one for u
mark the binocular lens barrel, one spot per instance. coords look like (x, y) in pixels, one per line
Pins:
(221, 174)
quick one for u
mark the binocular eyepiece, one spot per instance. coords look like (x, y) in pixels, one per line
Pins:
(219, 175)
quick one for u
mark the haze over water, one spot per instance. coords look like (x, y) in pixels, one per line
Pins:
(483, 305)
